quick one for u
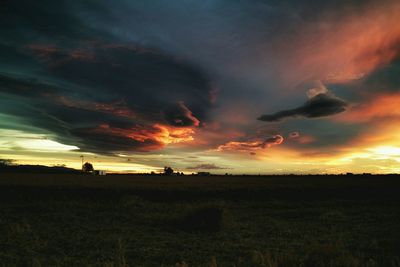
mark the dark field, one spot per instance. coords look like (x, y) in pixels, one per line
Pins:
(78, 220)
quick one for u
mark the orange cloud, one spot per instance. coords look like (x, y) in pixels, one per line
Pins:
(173, 135)
(251, 146)
(337, 49)
(161, 134)
(383, 106)
(213, 133)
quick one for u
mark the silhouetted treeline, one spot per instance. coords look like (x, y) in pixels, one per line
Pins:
(37, 169)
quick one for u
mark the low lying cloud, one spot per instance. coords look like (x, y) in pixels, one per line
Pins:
(206, 167)
(251, 146)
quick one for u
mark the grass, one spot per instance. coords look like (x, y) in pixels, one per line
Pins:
(73, 220)
(202, 219)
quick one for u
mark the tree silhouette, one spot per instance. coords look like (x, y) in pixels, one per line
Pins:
(6, 162)
(87, 167)
(168, 170)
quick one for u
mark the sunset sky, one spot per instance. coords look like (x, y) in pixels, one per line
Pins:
(215, 85)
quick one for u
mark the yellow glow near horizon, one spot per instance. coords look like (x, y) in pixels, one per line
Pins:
(44, 145)
(71, 159)
(374, 157)
(11, 139)
(386, 150)
(379, 159)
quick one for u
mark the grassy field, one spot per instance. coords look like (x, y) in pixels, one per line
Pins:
(127, 220)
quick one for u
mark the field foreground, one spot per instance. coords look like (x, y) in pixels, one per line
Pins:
(131, 220)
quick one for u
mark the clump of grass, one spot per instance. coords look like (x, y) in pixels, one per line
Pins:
(26, 243)
(395, 262)
(131, 201)
(119, 260)
(17, 228)
(270, 258)
(333, 254)
(314, 255)
(332, 215)
(181, 264)
(212, 263)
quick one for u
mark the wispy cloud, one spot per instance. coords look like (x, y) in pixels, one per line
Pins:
(210, 166)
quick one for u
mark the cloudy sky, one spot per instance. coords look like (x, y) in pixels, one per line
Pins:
(252, 86)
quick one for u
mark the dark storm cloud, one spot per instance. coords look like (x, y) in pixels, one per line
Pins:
(25, 86)
(59, 74)
(106, 142)
(93, 72)
(25, 20)
(321, 105)
(180, 115)
(116, 85)
(136, 74)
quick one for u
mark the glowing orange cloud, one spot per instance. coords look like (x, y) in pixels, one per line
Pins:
(339, 49)
(157, 133)
(251, 146)
(173, 135)
(240, 146)
(383, 106)
(153, 137)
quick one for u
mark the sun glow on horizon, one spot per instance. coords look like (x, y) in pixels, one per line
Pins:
(45, 145)
(386, 151)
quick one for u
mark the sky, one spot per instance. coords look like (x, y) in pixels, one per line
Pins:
(242, 87)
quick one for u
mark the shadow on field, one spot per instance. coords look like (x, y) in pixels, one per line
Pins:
(206, 219)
